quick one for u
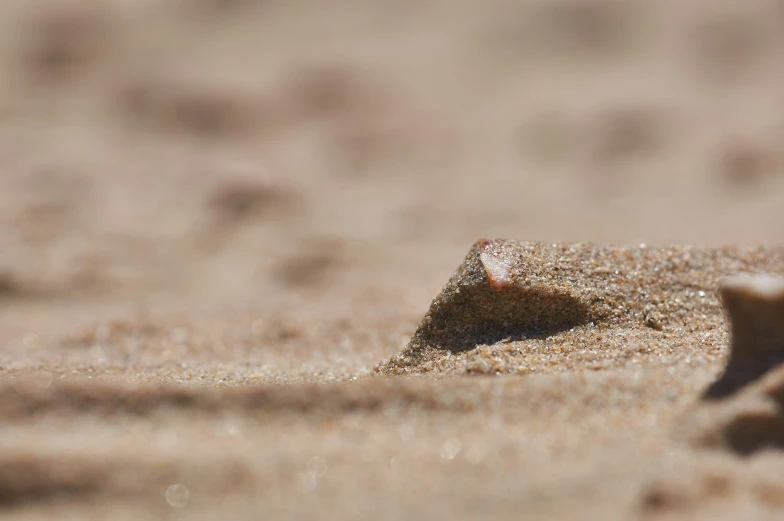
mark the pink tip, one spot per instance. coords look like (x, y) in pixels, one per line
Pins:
(497, 269)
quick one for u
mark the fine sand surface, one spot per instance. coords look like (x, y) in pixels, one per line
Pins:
(243, 273)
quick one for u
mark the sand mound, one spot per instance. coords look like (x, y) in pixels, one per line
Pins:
(525, 306)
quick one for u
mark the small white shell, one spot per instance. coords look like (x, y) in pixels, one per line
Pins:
(497, 269)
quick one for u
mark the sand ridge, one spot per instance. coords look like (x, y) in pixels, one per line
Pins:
(579, 299)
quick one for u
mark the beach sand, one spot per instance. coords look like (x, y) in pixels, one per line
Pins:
(250, 262)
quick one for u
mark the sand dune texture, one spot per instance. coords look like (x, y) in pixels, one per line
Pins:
(223, 221)
(600, 402)
(535, 307)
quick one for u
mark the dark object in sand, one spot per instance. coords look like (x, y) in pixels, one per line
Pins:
(743, 411)
(755, 309)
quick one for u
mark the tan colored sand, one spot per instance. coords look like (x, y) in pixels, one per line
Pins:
(222, 220)
(566, 307)
(147, 408)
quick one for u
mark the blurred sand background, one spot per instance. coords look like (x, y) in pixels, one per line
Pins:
(261, 197)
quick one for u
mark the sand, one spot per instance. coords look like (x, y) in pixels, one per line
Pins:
(551, 379)
(566, 307)
(229, 235)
